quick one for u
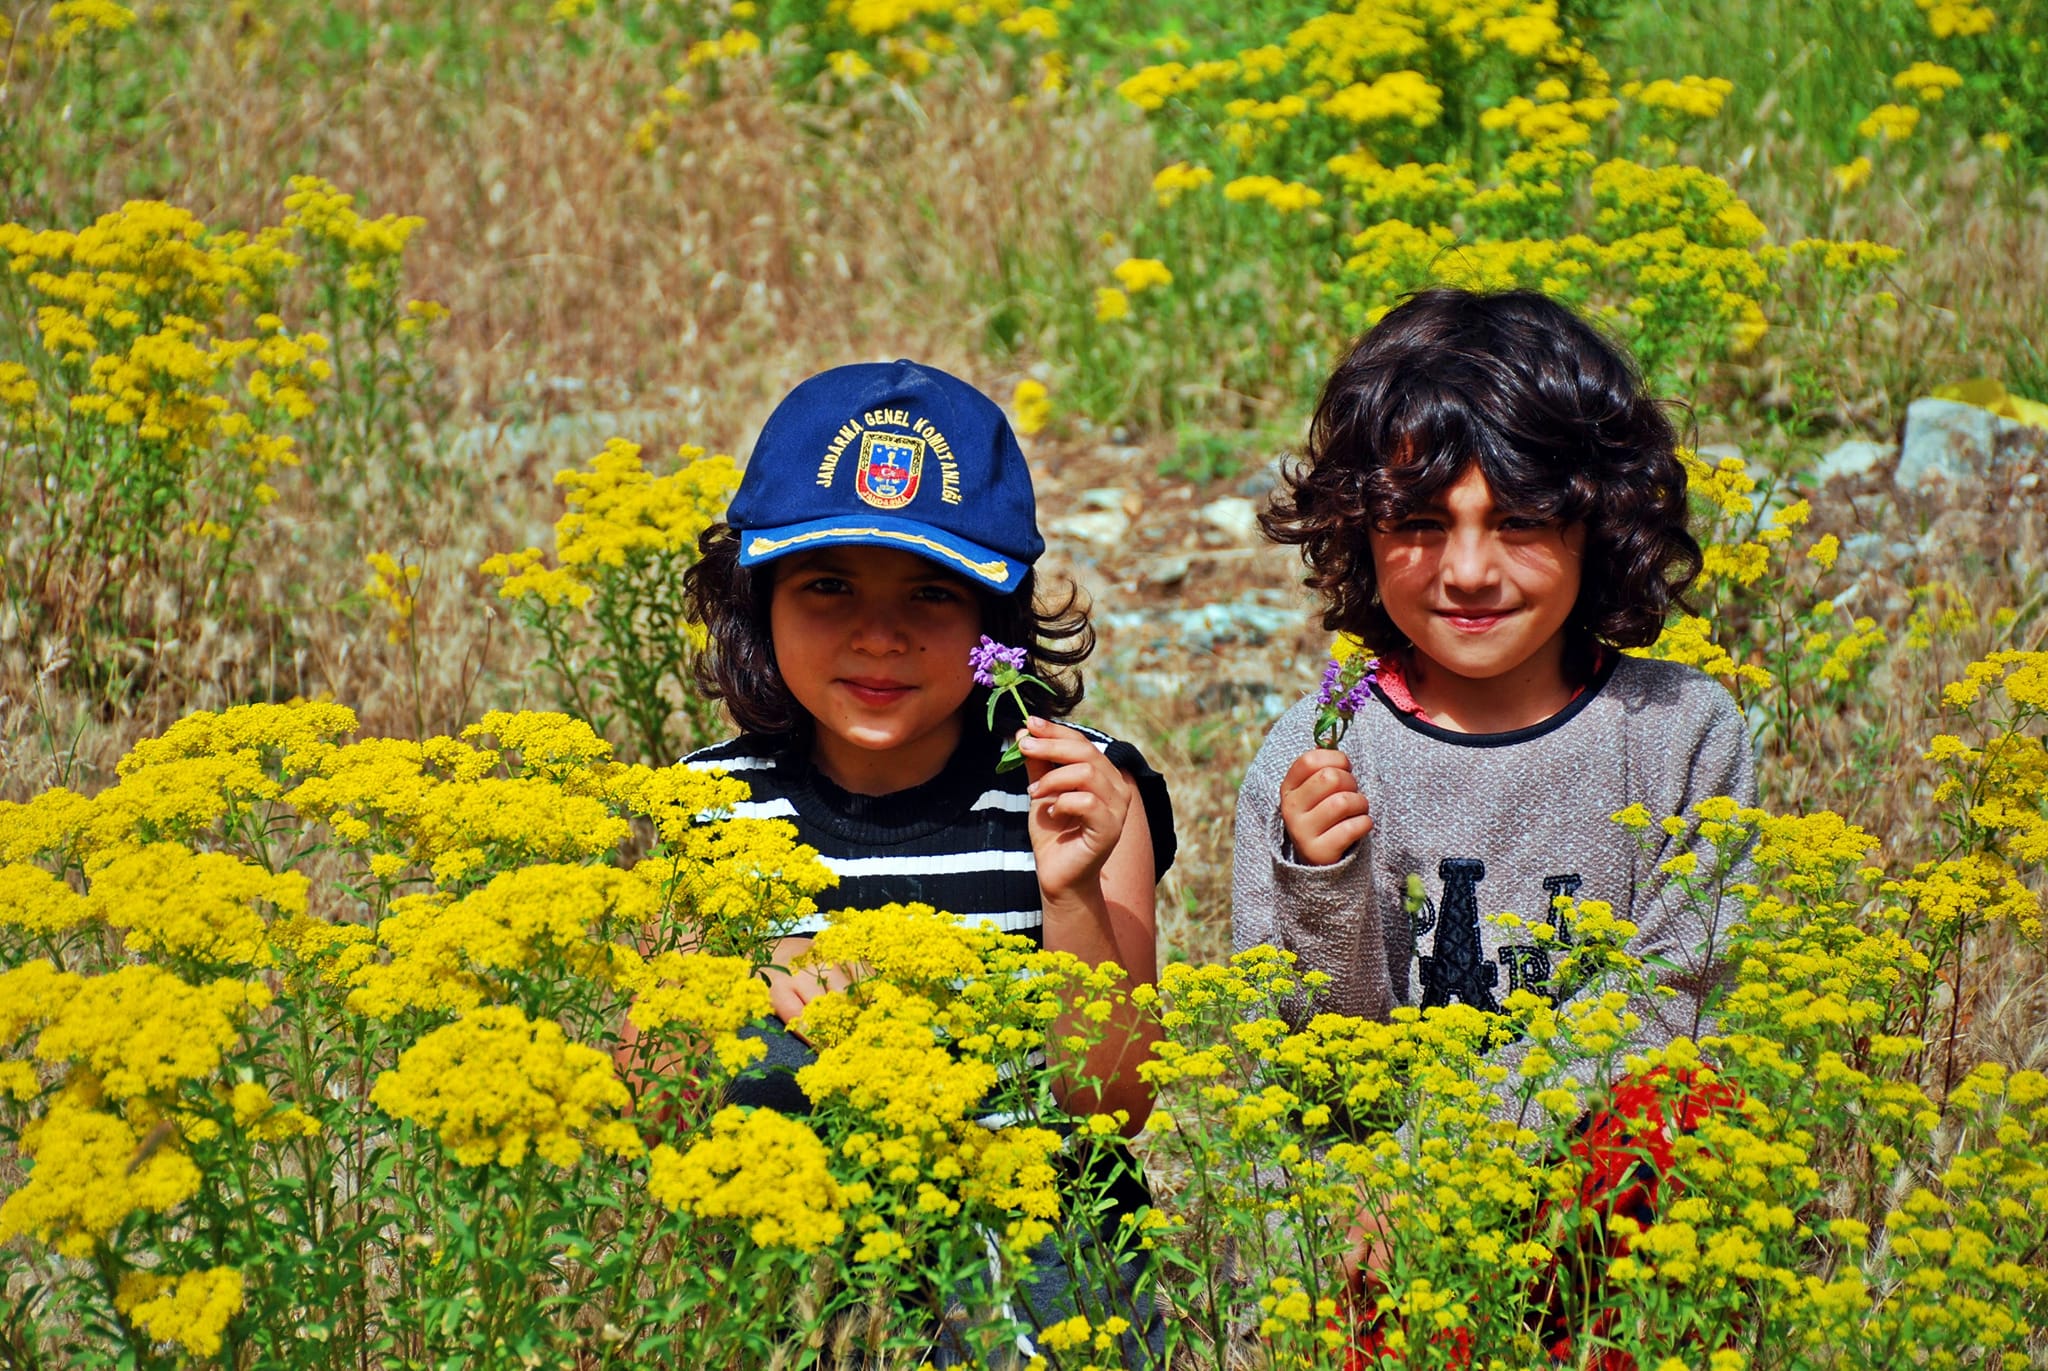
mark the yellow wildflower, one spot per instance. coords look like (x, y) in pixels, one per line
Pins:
(142, 1031)
(1031, 406)
(1891, 122)
(756, 1166)
(1139, 274)
(37, 903)
(1852, 174)
(1928, 81)
(91, 1172)
(495, 1084)
(1171, 182)
(205, 906)
(192, 1309)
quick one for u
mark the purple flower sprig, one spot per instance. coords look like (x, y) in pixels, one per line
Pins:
(1001, 669)
(1347, 685)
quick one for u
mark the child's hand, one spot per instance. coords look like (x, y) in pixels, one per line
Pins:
(1079, 801)
(1321, 807)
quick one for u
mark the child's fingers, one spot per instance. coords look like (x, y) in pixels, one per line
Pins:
(1317, 787)
(1075, 797)
(1083, 807)
(1346, 806)
(1340, 837)
(1056, 743)
(1323, 835)
(1310, 763)
(1102, 779)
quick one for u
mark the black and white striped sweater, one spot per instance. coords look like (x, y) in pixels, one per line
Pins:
(959, 842)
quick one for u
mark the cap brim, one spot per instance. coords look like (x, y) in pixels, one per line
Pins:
(954, 553)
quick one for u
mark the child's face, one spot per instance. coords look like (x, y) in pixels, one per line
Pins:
(873, 643)
(1479, 592)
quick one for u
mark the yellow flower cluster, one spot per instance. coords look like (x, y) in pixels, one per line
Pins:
(619, 510)
(134, 310)
(1694, 97)
(72, 19)
(396, 586)
(131, 1039)
(1030, 407)
(495, 1085)
(1890, 122)
(769, 1172)
(1928, 81)
(1175, 180)
(327, 217)
(1957, 18)
(1689, 639)
(703, 996)
(192, 908)
(626, 541)
(1288, 197)
(160, 335)
(436, 804)
(1137, 274)
(450, 955)
(191, 1310)
(92, 1170)
(907, 1056)
(1466, 1138)
(1667, 249)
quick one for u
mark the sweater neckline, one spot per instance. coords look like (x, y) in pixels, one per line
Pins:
(1602, 674)
(900, 815)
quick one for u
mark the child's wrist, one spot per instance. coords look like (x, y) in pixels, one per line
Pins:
(1082, 897)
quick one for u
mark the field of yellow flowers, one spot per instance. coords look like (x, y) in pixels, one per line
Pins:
(368, 979)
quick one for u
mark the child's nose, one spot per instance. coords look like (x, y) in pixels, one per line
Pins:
(878, 628)
(1469, 561)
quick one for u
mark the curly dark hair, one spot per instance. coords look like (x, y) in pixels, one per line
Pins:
(1560, 424)
(737, 664)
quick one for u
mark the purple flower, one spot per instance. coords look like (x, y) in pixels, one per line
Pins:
(1332, 676)
(1001, 669)
(991, 658)
(1347, 685)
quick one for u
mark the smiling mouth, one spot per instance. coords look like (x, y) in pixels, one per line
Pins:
(875, 691)
(1473, 622)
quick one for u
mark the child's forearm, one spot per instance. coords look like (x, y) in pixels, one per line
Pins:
(1096, 930)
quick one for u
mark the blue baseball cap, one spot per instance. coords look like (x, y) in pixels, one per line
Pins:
(891, 454)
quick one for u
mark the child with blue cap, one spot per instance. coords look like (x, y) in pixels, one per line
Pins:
(880, 546)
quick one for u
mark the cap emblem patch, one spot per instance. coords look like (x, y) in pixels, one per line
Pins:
(891, 464)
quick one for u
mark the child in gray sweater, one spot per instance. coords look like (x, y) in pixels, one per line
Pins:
(1492, 503)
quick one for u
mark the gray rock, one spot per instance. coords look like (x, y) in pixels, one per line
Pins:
(1164, 571)
(1710, 453)
(1106, 497)
(1857, 457)
(1099, 527)
(1221, 697)
(1263, 482)
(1235, 517)
(563, 437)
(1155, 685)
(1204, 628)
(1949, 441)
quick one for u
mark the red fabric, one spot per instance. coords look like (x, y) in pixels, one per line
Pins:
(1395, 685)
(1627, 1152)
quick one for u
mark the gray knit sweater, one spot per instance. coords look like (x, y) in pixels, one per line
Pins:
(1493, 822)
